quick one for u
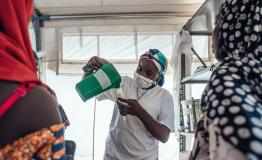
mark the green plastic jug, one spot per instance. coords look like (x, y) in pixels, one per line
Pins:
(98, 82)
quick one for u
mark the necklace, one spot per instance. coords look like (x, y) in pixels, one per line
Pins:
(139, 97)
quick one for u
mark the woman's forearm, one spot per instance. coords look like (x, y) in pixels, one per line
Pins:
(158, 130)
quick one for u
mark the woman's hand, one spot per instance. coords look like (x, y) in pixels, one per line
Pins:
(129, 107)
(132, 107)
(93, 64)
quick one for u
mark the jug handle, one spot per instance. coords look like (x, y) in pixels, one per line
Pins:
(88, 71)
(90, 68)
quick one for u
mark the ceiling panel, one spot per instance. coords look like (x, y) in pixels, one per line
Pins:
(187, 10)
(83, 3)
(150, 2)
(62, 7)
(181, 11)
(204, 19)
(65, 3)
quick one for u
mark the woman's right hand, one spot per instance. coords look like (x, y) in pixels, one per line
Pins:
(93, 64)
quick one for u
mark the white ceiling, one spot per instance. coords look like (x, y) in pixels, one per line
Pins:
(59, 7)
(181, 11)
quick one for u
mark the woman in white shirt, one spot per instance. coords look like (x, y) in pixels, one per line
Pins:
(145, 113)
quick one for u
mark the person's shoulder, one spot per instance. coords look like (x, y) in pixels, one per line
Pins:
(240, 66)
(165, 94)
(35, 111)
(41, 105)
(226, 71)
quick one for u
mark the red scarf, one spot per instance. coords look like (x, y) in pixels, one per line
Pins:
(16, 58)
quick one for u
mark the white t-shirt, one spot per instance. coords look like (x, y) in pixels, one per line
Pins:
(128, 138)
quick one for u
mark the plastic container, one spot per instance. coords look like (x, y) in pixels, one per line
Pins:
(98, 82)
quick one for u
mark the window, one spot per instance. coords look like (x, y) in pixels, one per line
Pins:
(162, 42)
(117, 47)
(77, 48)
(200, 44)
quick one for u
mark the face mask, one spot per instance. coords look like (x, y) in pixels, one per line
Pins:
(142, 81)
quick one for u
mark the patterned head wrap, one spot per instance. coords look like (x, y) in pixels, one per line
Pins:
(232, 100)
(241, 29)
(160, 62)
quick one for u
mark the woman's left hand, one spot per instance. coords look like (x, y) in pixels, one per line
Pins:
(130, 107)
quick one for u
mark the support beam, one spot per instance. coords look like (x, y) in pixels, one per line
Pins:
(110, 16)
(36, 27)
(194, 51)
(200, 33)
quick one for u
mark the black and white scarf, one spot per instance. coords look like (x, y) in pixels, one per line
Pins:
(232, 100)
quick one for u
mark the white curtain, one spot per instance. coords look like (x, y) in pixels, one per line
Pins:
(183, 44)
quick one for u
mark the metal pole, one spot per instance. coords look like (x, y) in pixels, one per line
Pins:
(110, 15)
(36, 27)
(193, 50)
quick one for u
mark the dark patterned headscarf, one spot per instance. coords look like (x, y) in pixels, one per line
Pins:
(241, 29)
(232, 100)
